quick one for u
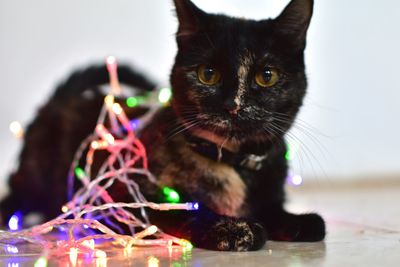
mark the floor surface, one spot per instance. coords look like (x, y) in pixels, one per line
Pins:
(363, 230)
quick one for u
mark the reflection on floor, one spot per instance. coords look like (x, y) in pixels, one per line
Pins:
(363, 230)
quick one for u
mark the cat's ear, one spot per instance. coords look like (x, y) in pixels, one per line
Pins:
(189, 16)
(293, 22)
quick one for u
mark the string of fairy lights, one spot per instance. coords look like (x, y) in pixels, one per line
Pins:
(92, 218)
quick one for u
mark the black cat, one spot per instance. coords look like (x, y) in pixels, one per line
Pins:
(237, 87)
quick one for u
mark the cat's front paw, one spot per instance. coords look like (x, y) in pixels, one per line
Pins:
(231, 234)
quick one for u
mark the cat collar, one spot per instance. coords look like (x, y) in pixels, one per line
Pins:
(212, 151)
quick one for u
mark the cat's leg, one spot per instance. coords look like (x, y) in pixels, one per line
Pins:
(284, 226)
(208, 230)
(266, 200)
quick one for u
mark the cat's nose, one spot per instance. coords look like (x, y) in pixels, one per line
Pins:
(231, 107)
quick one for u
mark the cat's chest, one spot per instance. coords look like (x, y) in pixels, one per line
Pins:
(217, 185)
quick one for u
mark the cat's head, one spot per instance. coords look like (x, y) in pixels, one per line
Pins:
(237, 78)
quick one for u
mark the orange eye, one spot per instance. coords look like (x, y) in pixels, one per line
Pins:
(267, 77)
(208, 75)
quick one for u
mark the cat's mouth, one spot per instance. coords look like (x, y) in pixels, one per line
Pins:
(233, 129)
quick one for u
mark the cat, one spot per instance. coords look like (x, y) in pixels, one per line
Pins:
(238, 85)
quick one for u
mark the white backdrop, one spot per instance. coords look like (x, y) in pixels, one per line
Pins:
(352, 58)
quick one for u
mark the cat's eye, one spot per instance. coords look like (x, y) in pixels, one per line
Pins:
(208, 75)
(267, 77)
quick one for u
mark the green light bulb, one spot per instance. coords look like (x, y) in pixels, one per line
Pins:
(171, 195)
(132, 102)
(80, 173)
(292, 149)
(288, 156)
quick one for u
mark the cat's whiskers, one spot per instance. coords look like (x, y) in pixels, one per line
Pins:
(179, 124)
(312, 159)
(275, 131)
(305, 155)
(305, 129)
(190, 114)
(272, 133)
(176, 122)
(184, 127)
(299, 123)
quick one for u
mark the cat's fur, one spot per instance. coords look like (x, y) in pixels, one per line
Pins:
(240, 207)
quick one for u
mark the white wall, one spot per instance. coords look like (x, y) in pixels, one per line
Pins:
(352, 58)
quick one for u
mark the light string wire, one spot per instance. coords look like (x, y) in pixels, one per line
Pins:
(92, 218)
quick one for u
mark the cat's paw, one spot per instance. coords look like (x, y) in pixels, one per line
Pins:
(300, 228)
(230, 234)
(310, 228)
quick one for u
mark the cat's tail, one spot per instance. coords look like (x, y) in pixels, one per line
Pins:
(92, 77)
